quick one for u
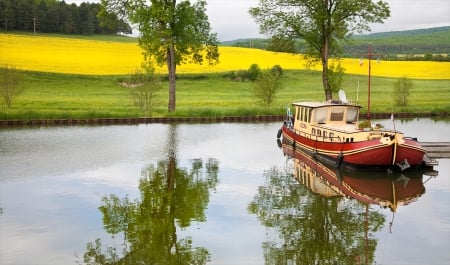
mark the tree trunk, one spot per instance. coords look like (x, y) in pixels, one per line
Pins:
(326, 85)
(171, 66)
(326, 88)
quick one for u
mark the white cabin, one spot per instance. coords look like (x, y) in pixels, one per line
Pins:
(331, 122)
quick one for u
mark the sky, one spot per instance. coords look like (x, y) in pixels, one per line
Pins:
(230, 18)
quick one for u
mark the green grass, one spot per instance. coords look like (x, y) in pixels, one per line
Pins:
(59, 96)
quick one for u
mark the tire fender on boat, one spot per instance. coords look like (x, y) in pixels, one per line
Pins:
(279, 144)
(339, 159)
(279, 133)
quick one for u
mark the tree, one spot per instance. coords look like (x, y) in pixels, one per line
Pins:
(7, 14)
(267, 84)
(278, 44)
(335, 76)
(322, 24)
(401, 91)
(11, 84)
(55, 16)
(171, 33)
(143, 88)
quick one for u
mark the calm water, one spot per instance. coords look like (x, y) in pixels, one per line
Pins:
(205, 194)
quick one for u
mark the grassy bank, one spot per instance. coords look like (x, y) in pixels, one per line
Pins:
(60, 96)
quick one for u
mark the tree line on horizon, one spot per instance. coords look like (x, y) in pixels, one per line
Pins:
(411, 45)
(53, 16)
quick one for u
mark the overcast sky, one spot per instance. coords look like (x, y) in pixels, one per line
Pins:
(230, 18)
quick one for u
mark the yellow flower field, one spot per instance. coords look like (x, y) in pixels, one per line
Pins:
(77, 56)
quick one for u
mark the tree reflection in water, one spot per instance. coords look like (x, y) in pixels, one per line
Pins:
(313, 229)
(171, 197)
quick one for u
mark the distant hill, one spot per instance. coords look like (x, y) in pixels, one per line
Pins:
(435, 41)
(419, 41)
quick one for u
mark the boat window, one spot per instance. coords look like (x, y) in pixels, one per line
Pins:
(298, 112)
(313, 132)
(320, 115)
(331, 136)
(337, 114)
(308, 115)
(352, 115)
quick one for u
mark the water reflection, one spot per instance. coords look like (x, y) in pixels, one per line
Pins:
(328, 218)
(387, 189)
(55, 180)
(171, 198)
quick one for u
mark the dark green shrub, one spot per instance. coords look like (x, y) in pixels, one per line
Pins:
(253, 72)
(277, 70)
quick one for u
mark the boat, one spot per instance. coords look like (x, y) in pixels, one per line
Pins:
(332, 131)
(386, 189)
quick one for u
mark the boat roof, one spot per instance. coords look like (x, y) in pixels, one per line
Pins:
(317, 104)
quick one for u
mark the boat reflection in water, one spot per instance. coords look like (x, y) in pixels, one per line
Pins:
(386, 189)
(337, 224)
(330, 218)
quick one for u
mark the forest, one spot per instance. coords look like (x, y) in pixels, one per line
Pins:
(54, 16)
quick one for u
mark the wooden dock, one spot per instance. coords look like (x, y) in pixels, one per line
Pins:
(437, 149)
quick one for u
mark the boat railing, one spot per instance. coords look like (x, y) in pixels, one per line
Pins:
(321, 138)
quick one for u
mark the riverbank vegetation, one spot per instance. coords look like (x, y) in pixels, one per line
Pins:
(63, 96)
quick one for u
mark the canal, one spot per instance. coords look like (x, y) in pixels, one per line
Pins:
(219, 193)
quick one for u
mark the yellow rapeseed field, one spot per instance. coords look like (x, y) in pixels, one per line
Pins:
(77, 56)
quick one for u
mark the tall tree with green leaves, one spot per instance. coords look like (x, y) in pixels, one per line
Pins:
(171, 33)
(323, 24)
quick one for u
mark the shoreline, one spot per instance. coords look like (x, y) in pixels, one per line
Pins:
(146, 120)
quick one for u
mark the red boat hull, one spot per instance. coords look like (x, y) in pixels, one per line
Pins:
(410, 150)
(370, 153)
